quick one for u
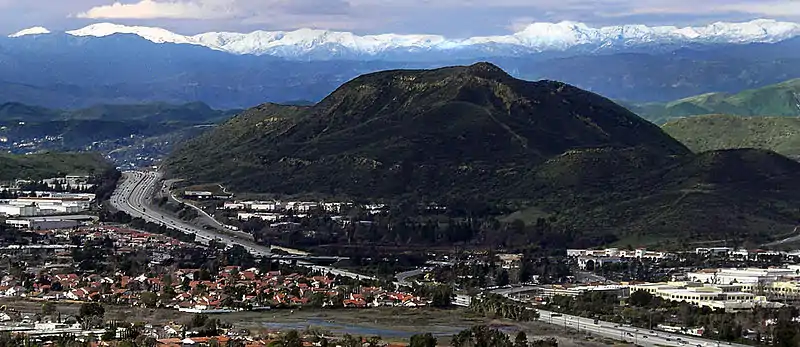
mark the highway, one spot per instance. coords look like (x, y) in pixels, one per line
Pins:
(639, 336)
(132, 196)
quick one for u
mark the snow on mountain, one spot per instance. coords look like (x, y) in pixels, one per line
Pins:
(30, 31)
(536, 37)
(156, 35)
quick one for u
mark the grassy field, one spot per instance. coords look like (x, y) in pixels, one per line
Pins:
(394, 324)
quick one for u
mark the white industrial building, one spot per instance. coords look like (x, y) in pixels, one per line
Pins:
(69, 182)
(639, 253)
(42, 223)
(744, 276)
(55, 203)
(731, 297)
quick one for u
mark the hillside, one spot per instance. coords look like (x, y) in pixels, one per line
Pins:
(714, 132)
(444, 133)
(476, 134)
(782, 99)
(52, 164)
(643, 198)
(134, 134)
(159, 112)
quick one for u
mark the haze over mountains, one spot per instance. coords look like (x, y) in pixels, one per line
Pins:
(108, 63)
(534, 38)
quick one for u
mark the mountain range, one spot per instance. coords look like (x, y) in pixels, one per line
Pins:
(103, 64)
(306, 44)
(475, 134)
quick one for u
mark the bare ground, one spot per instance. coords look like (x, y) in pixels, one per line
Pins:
(395, 324)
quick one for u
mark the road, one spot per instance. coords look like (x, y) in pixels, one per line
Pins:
(132, 196)
(790, 239)
(403, 276)
(643, 337)
(638, 336)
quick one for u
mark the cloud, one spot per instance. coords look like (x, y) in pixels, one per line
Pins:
(150, 9)
(767, 8)
(454, 18)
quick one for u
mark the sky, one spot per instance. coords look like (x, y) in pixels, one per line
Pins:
(452, 18)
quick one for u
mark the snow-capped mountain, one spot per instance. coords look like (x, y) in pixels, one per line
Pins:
(536, 37)
(30, 31)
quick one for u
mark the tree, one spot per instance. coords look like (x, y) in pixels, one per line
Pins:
(149, 299)
(502, 278)
(350, 341)
(422, 340)
(291, 339)
(48, 308)
(481, 336)
(90, 313)
(521, 340)
(442, 296)
(640, 298)
(110, 333)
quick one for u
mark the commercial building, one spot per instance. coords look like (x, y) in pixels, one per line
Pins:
(716, 296)
(745, 276)
(43, 223)
(550, 291)
(639, 253)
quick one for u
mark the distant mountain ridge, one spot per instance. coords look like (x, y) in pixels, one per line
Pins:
(58, 70)
(534, 38)
(781, 99)
(716, 132)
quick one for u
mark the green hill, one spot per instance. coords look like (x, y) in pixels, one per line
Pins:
(194, 113)
(713, 132)
(644, 197)
(445, 133)
(781, 99)
(52, 164)
(476, 134)
(131, 132)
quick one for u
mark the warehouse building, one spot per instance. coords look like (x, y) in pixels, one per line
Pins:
(40, 223)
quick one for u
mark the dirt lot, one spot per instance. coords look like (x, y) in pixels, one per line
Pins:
(395, 324)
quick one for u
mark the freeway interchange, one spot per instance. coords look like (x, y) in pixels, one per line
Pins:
(133, 194)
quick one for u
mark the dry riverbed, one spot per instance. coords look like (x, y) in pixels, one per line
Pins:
(395, 324)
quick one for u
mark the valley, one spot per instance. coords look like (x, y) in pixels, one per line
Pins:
(538, 184)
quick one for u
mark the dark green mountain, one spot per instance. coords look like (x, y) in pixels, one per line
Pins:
(782, 99)
(424, 133)
(714, 132)
(45, 165)
(644, 197)
(475, 134)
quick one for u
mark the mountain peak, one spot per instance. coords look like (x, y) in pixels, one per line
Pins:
(533, 38)
(157, 35)
(30, 31)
